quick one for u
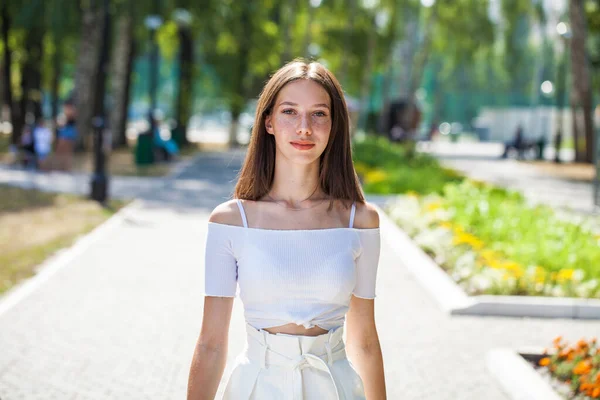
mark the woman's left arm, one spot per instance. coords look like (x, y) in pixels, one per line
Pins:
(362, 346)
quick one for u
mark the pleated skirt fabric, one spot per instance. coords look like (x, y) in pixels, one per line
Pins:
(290, 367)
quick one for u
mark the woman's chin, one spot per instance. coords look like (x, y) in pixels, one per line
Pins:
(302, 157)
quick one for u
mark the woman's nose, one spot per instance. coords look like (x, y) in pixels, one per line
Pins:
(304, 127)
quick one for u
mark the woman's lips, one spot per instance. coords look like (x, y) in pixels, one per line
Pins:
(303, 146)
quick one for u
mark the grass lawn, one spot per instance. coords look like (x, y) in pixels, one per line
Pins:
(34, 225)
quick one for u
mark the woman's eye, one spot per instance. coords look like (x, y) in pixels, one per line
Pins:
(288, 111)
(320, 114)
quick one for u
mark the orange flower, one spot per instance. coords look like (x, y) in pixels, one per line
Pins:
(545, 361)
(582, 344)
(582, 367)
(596, 393)
(557, 341)
(565, 353)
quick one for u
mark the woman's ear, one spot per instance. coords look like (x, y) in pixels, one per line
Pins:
(269, 124)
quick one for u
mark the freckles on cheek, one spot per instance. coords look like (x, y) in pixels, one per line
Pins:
(285, 121)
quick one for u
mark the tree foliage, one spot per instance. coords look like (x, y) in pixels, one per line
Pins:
(455, 45)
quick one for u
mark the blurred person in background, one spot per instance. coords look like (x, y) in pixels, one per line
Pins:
(517, 143)
(27, 148)
(42, 143)
(67, 137)
(165, 147)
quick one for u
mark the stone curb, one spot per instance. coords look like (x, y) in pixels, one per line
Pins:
(453, 299)
(517, 377)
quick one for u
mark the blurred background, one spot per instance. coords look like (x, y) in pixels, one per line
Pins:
(465, 69)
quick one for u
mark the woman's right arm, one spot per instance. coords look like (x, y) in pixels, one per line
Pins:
(220, 280)
(210, 355)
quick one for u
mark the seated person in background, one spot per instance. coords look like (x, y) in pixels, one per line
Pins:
(165, 147)
(518, 143)
(27, 158)
(67, 137)
(42, 143)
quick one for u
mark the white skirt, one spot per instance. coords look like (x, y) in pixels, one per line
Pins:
(278, 366)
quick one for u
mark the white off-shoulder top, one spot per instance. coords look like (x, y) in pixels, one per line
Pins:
(306, 277)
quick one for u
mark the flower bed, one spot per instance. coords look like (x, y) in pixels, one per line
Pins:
(488, 239)
(573, 370)
(490, 242)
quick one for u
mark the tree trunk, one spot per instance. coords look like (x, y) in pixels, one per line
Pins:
(289, 18)
(185, 91)
(86, 71)
(56, 72)
(581, 79)
(408, 51)
(346, 50)
(120, 79)
(30, 105)
(365, 87)
(577, 139)
(308, 31)
(422, 56)
(389, 69)
(7, 98)
(239, 94)
(233, 129)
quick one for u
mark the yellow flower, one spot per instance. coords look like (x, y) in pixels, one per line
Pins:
(467, 238)
(515, 268)
(539, 274)
(375, 176)
(412, 193)
(361, 168)
(433, 206)
(488, 254)
(446, 225)
(565, 275)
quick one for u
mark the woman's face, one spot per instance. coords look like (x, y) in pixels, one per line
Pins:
(301, 121)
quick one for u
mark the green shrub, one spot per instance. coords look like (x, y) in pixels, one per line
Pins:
(387, 168)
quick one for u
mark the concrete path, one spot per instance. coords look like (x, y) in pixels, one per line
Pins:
(119, 319)
(120, 187)
(481, 161)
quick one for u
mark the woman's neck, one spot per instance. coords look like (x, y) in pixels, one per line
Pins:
(295, 183)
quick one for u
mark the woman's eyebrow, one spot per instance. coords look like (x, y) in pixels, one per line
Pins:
(289, 103)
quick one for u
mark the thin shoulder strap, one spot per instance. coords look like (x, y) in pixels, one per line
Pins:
(241, 207)
(352, 212)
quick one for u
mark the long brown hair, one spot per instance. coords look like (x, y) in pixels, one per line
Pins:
(337, 176)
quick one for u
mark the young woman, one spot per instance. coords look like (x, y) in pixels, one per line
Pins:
(303, 246)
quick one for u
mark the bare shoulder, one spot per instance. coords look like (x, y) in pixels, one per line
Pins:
(366, 216)
(227, 213)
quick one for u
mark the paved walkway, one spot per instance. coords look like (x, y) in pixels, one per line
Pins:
(119, 320)
(120, 187)
(481, 161)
